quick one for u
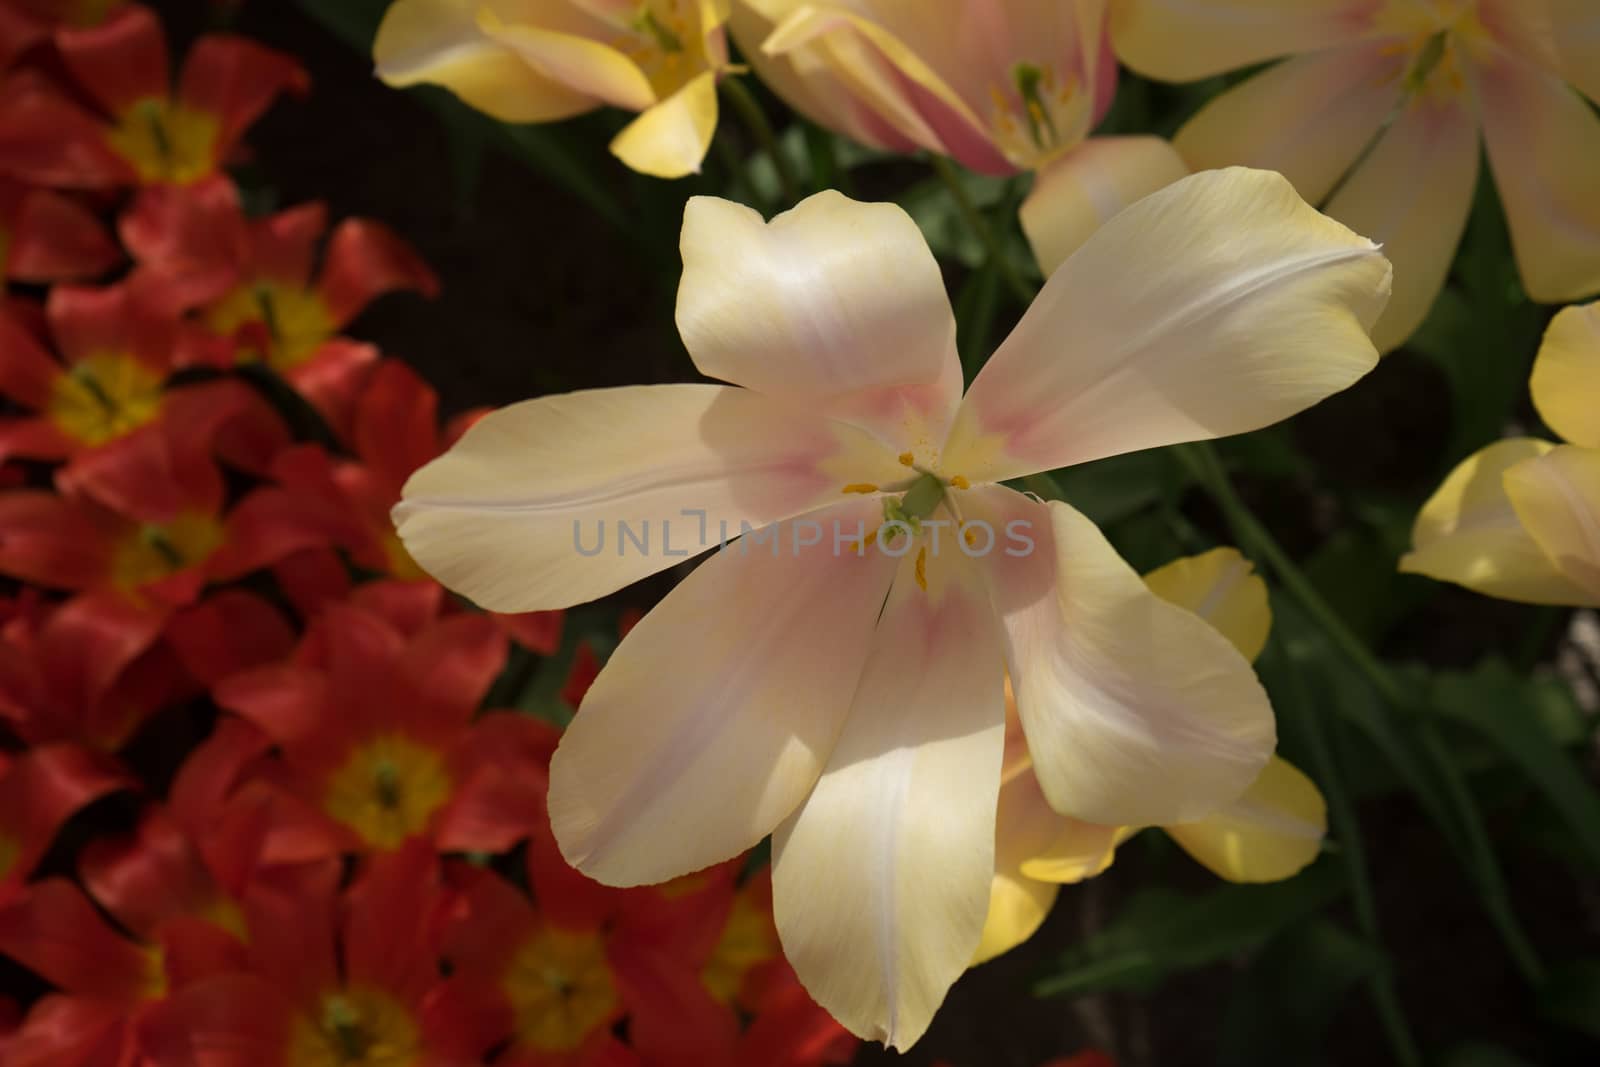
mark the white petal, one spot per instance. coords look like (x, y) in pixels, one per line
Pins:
(1137, 711)
(526, 511)
(715, 715)
(881, 879)
(835, 305)
(1221, 304)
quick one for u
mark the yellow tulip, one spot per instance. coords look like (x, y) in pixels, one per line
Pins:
(542, 60)
(1520, 519)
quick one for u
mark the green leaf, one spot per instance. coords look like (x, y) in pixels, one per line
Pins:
(1572, 997)
(1512, 712)
(1162, 932)
(1280, 1008)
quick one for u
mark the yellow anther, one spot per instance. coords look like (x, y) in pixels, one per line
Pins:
(922, 567)
(970, 536)
(860, 487)
(907, 459)
(960, 482)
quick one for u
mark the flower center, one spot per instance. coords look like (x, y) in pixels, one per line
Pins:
(356, 1026)
(155, 551)
(103, 397)
(747, 941)
(387, 790)
(165, 142)
(663, 41)
(1435, 36)
(908, 514)
(560, 988)
(278, 324)
(1038, 114)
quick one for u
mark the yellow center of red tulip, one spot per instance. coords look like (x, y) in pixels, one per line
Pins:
(282, 325)
(155, 551)
(748, 939)
(166, 142)
(356, 1026)
(1038, 114)
(103, 397)
(560, 988)
(387, 790)
(10, 849)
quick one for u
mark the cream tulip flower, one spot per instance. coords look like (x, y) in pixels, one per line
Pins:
(835, 676)
(542, 60)
(1269, 833)
(1001, 86)
(1379, 113)
(1520, 519)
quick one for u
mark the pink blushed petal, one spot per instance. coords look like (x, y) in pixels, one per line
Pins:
(534, 507)
(1137, 712)
(1544, 148)
(881, 879)
(1221, 304)
(718, 710)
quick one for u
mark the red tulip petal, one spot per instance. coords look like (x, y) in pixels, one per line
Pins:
(119, 62)
(47, 139)
(52, 541)
(235, 81)
(54, 238)
(283, 248)
(365, 259)
(28, 373)
(536, 631)
(397, 420)
(190, 241)
(231, 632)
(55, 932)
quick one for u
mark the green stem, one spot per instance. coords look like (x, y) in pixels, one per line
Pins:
(979, 224)
(1347, 831)
(756, 121)
(1203, 462)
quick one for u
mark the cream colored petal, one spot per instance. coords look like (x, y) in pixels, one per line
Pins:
(670, 139)
(1566, 376)
(1575, 27)
(1216, 306)
(556, 501)
(1137, 711)
(911, 92)
(583, 65)
(717, 712)
(1082, 190)
(835, 306)
(805, 79)
(1544, 148)
(1180, 40)
(881, 879)
(1469, 533)
(1413, 195)
(1221, 587)
(1271, 833)
(1557, 497)
(438, 42)
(1309, 118)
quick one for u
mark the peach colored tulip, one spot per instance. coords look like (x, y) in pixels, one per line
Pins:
(1377, 115)
(847, 697)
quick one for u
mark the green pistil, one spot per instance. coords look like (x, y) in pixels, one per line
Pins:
(918, 503)
(666, 40)
(1427, 61)
(1041, 127)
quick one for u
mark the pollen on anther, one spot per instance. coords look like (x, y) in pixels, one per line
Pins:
(970, 536)
(960, 482)
(860, 487)
(922, 567)
(907, 459)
